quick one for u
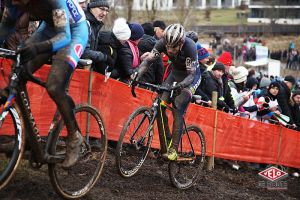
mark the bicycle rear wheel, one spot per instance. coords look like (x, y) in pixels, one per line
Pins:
(184, 172)
(134, 142)
(79, 179)
(12, 142)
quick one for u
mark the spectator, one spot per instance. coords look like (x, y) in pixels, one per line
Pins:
(110, 42)
(155, 73)
(237, 85)
(226, 59)
(284, 96)
(128, 55)
(268, 104)
(148, 29)
(96, 12)
(159, 27)
(203, 58)
(213, 81)
(296, 108)
(251, 83)
(82, 3)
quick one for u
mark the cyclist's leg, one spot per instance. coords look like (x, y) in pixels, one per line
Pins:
(181, 101)
(162, 119)
(63, 64)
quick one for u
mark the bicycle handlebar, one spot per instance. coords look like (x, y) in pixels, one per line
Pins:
(6, 53)
(157, 88)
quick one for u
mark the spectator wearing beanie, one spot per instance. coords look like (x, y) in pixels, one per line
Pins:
(268, 103)
(226, 59)
(203, 57)
(284, 96)
(128, 56)
(237, 86)
(213, 81)
(96, 11)
(159, 28)
(110, 41)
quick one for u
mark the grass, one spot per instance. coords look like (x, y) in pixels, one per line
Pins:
(196, 17)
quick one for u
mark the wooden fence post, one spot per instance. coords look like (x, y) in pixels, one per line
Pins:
(211, 161)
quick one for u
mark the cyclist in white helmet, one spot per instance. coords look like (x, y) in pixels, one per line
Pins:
(185, 71)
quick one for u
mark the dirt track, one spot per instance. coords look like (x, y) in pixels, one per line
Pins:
(152, 182)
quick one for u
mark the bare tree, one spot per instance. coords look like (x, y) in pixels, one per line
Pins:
(151, 12)
(129, 9)
(185, 8)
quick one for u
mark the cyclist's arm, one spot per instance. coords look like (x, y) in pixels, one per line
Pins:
(192, 64)
(60, 17)
(154, 55)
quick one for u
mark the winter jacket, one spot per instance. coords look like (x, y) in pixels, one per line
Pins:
(108, 44)
(92, 49)
(124, 62)
(283, 99)
(208, 84)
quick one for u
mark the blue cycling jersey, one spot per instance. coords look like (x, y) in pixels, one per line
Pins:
(59, 15)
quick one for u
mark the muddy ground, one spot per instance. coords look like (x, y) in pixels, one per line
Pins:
(152, 182)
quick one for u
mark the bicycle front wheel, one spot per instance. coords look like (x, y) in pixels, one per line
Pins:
(134, 142)
(12, 142)
(184, 172)
(78, 180)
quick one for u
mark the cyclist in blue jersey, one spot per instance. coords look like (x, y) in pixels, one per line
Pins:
(182, 52)
(62, 37)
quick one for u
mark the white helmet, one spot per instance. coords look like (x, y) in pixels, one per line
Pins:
(174, 35)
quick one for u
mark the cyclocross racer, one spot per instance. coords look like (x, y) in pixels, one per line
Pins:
(61, 36)
(185, 71)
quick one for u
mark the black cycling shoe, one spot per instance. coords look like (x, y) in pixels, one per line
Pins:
(73, 150)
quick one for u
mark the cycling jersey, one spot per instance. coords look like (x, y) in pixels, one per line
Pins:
(185, 66)
(58, 15)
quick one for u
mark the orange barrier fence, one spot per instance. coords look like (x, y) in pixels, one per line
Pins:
(236, 138)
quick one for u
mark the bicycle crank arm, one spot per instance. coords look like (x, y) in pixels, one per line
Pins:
(183, 159)
(55, 158)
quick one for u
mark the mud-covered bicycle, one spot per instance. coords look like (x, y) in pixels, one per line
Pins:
(136, 137)
(17, 125)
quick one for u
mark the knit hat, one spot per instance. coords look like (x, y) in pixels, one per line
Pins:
(290, 79)
(121, 29)
(239, 74)
(202, 53)
(159, 24)
(296, 92)
(219, 66)
(98, 3)
(81, 1)
(274, 84)
(137, 31)
(264, 82)
(251, 82)
(225, 58)
(148, 28)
